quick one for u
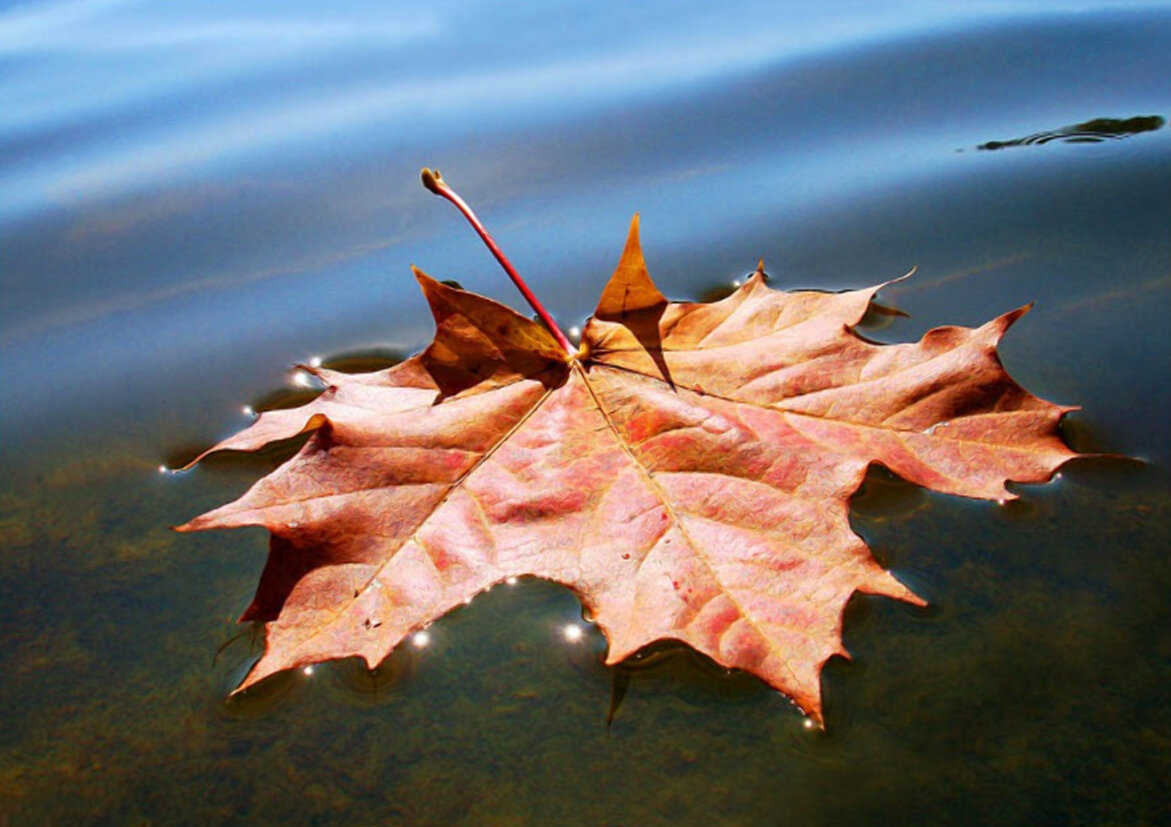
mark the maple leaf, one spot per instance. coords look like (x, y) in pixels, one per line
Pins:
(687, 472)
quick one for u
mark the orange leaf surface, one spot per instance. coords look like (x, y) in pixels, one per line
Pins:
(687, 474)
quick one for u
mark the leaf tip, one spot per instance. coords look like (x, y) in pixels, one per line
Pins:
(200, 523)
(814, 721)
(427, 283)
(630, 289)
(1000, 325)
(633, 241)
(915, 600)
(914, 269)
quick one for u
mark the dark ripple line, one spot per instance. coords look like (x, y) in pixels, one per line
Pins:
(1097, 130)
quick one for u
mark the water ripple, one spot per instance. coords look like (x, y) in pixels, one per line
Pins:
(1096, 131)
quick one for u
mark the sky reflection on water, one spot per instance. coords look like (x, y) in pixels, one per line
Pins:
(197, 96)
(193, 198)
(179, 186)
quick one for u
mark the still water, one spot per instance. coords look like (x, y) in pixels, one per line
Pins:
(193, 198)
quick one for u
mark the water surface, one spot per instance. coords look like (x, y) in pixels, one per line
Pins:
(193, 200)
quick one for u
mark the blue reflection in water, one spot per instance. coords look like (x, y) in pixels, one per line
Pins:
(195, 196)
(179, 182)
(168, 93)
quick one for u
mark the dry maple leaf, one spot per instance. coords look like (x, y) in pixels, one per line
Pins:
(687, 472)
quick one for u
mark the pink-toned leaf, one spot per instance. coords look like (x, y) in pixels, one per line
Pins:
(687, 474)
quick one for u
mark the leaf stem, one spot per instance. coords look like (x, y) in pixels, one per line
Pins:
(433, 181)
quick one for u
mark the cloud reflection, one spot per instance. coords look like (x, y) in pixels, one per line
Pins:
(290, 78)
(97, 27)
